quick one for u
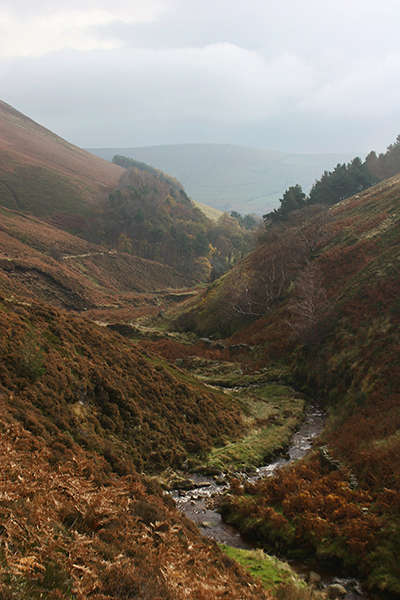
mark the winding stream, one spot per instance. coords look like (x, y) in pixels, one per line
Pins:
(198, 504)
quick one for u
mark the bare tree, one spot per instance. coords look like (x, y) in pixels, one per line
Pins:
(257, 284)
(312, 225)
(309, 307)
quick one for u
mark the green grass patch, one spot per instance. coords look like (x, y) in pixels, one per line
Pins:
(270, 570)
(273, 413)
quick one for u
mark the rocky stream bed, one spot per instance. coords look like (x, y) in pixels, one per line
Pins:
(199, 504)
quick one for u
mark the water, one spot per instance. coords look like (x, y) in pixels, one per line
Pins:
(199, 504)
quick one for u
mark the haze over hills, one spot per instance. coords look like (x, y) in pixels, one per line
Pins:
(229, 177)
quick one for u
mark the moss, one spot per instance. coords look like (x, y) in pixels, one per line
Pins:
(273, 414)
(270, 570)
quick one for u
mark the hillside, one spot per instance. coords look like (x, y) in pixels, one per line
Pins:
(42, 174)
(229, 177)
(82, 413)
(92, 423)
(138, 210)
(40, 262)
(150, 215)
(319, 302)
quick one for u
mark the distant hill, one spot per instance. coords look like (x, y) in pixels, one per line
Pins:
(230, 177)
(42, 174)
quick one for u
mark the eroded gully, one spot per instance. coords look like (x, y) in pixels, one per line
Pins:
(199, 506)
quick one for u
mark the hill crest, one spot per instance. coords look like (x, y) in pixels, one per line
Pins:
(42, 173)
(231, 177)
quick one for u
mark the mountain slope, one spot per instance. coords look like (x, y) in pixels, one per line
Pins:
(42, 174)
(229, 177)
(76, 518)
(327, 315)
(44, 263)
(84, 410)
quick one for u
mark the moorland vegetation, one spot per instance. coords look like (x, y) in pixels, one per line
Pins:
(105, 382)
(320, 297)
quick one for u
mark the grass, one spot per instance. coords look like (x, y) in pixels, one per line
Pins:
(269, 569)
(273, 413)
(275, 575)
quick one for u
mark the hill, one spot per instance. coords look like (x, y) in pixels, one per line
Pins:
(318, 302)
(150, 215)
(41, 262)
(89, 419)
(137, 209)
(228, 177)
(83, 411)
(42, 174)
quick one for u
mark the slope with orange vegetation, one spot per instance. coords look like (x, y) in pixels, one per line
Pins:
(330, 323)
(68, 531)
(43, 262)
(74, 383)
(43, 174)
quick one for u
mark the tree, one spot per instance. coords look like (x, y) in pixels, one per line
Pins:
(293, 199)
(312, 225)
(255, 287)
(309, 306)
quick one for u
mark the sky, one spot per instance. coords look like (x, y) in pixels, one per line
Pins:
(316, 76)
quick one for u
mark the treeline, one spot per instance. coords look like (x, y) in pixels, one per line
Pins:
(131, 163)
(281, 265)
(151, 216)
(344, 181)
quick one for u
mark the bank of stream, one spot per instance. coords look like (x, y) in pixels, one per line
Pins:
(199, 504)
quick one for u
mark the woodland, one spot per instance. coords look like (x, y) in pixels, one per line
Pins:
(142, 342)
(151, 216)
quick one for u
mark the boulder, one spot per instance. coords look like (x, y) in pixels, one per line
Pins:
(335, 590)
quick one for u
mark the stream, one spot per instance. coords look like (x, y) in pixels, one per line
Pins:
(197, 504)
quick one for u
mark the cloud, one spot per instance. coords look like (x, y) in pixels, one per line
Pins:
(364, 88)
(79, 26)
(165, 71)
(220, 82)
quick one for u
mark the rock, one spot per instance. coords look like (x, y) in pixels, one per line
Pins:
(219, 479)
(201, 484)
(182, 484)
(314, 579)
(336, 591)
(207, 524)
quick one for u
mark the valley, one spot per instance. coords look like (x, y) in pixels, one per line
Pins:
(144, 347)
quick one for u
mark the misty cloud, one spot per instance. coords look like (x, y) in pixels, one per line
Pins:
(166, 71)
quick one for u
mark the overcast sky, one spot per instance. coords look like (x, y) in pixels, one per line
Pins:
(309, 76)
